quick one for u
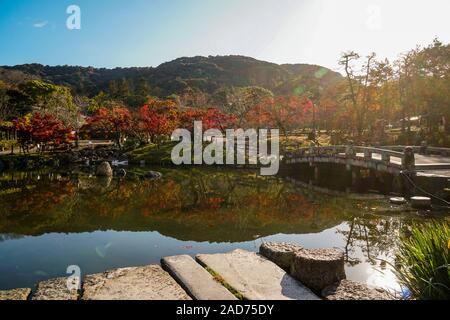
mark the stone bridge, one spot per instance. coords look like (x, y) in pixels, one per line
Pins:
(390, 159)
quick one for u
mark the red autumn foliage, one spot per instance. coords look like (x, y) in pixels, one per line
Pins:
(284, 112)
(109, 123)
(44, 130)
(211, 118)
(159, 117)
(24, 132)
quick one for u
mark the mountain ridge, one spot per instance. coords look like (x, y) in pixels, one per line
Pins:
(198, 73)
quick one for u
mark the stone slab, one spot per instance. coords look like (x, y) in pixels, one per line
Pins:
(15, 294)
(138, 283)
(255, 277)
(197, 282)
(351, 290)
(318, 268)
(55, 289)
(282, 254)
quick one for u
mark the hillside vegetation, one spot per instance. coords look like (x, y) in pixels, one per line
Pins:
(195, 74)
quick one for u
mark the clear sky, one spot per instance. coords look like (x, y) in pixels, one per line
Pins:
(119, 33)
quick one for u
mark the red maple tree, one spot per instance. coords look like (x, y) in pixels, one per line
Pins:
(109, 123)
(43, 130)
(284, 113)
(212, 118)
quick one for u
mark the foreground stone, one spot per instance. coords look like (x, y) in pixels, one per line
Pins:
(351, 290)
(55, 289)
(139, 283)
(104, 170)
(282, 254)
(197, 282)
(15, 294)
(255, 277)
(318, 268)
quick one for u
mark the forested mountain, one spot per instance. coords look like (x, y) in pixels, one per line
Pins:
(198, 74)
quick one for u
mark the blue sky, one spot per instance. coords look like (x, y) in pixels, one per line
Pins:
(149, 32)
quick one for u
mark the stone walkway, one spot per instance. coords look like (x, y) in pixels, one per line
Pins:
(230, 276)
(255, 277)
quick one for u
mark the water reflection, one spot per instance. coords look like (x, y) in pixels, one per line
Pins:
(49, 220)
(199, 205)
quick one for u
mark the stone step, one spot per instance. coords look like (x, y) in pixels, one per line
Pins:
(15, 294)
(138, 283)
(197, 282)
(255, 277)
(282, 254)
(318, 268)
(56, 289)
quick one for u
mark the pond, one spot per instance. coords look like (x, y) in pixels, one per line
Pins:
(52, 220)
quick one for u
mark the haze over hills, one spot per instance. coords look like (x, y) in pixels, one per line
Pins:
(201, 74)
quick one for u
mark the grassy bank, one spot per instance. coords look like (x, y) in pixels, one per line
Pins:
(153, 154)
(423, 262)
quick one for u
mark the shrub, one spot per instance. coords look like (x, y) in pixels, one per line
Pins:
(422, 263)
(7, 144)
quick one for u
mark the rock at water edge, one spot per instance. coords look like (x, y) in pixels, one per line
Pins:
(351, 290)
(421, 202)
(282, 254)
(104, 170)
(318, 268)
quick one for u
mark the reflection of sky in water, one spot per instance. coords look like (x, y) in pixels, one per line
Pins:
(30, 259)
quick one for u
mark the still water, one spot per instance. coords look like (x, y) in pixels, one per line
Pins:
(51, 220)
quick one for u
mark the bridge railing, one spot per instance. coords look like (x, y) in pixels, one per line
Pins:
(383, 155)
(389, 157)
(420, 149)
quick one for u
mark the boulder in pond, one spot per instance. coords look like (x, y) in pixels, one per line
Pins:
(318, 268)
(421, 202)
(104, 182)
(153, 175)
(282, 254)
(104, 170)
(397, 200)
(351, 290)
(121, 173)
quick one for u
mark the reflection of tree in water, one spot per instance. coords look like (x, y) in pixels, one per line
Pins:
(376, 237)
(6, 236)
(190, 204)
